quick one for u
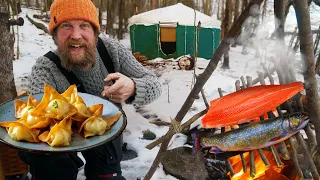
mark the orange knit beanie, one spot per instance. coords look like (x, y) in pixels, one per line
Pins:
(63, 10)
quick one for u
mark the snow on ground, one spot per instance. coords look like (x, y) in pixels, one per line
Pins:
(178, 83)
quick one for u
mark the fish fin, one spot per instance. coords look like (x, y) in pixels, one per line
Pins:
(215, 150)
(196, 143)
(296, 97)
(277, 138)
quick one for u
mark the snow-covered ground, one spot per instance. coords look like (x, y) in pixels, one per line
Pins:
(178, 83)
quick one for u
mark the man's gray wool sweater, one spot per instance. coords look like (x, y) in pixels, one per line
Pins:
(148, 87)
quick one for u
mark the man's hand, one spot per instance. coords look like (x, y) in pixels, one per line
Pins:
(121, 90)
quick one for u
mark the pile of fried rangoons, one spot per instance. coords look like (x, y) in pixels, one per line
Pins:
(54, 119)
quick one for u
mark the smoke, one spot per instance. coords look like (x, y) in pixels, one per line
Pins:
(258, 37)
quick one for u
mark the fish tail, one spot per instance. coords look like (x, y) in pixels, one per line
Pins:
(196, 143)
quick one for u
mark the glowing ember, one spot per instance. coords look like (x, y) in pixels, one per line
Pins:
(263, 172)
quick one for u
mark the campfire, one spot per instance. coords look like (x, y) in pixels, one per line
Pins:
(262, 170)
(277, 162)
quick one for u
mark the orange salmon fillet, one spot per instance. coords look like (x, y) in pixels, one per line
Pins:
(247, 104)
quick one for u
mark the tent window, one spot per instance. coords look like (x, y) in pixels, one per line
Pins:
(168, 39)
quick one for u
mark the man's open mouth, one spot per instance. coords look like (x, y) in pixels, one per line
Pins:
(76, 47)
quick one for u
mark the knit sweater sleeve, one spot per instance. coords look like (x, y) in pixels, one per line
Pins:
(46, 72)
(148, 87)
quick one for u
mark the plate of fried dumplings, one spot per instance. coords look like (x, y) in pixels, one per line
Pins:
(54, 122)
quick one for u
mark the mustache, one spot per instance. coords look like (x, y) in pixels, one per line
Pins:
(71, 42)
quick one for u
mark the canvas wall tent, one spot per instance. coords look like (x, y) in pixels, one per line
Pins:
(170, 32)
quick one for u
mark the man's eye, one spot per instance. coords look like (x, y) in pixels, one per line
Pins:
(66, 26)
(85, 25)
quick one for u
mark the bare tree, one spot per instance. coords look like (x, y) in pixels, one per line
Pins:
(222, 18)
(307, 55)
(101, 9)
(110, 17)
(279, 18)
(318, 64)
(121, 17)
(227, 24)
(208, 7)
(7, 88)
(244, 4)
(218, 11)
(236, 10)
(287, 6)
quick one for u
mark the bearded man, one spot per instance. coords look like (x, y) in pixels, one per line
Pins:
(75, 28)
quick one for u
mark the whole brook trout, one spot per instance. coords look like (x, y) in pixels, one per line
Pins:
(253, 136)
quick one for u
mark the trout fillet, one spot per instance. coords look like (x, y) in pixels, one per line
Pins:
(247, 104)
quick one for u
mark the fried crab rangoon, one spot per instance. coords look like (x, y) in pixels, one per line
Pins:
(51, 120)
(96, 124)
(54, 105)
(23, 108)
(71, 94)
(23, 111)
(19, 132)
(59, 134)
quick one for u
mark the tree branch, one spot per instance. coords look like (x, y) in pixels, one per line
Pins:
(306, 49)
(38, 25)
(171, 132)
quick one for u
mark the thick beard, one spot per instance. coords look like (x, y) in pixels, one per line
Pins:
(69, 61)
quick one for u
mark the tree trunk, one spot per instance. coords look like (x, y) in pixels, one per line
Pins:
(287, 6)
(7, 89)
(197, 5)
(50, 3)
(316, 42)
(236, 10)
(279, 18)
(100, 11)
(226, 60)
(120, 17)
(208, 4)
(46, 7)
(153, 4)
(235, 16)
(244, 4)
(306, 50)
(37, 4)
(318, 65)
(157, 4)
(110, 17)
(27, 3)
(227, 25)
(223, 19)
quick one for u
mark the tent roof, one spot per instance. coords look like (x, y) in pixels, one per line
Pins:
(176, 13)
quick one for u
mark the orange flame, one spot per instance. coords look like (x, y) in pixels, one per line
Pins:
(263, 172)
